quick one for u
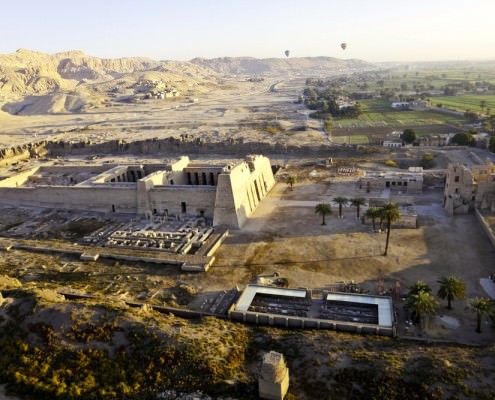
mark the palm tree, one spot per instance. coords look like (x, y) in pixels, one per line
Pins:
(358, 202)
(419, 286)
(341, 201)
(391, 214)
(451, 287)
(421, 305)
(482, 105)
(381, 216)
(323, 210)
(291, 180)
(373, 213)
(482, 306)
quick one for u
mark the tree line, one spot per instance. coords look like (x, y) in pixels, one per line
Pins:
(327, 102)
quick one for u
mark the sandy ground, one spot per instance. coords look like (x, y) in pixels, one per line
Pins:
(237, 110)
(286, 236)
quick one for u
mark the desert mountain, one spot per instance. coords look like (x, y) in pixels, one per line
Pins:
(308, 66)
(32, 82)
(32, 72)
(37, 83)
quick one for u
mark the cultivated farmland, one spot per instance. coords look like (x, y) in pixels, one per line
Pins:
(466, 102)
(378, 113)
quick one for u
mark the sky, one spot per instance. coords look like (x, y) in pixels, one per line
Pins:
(375, 30)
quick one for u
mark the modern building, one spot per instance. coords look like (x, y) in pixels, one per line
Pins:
(226, 194)
(303, 308)
(392, 144)
(439, 140)
(406, 105)
(401, 105)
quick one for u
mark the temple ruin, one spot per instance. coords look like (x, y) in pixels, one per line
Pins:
(223, 194)
(469, 187)
(410, 182)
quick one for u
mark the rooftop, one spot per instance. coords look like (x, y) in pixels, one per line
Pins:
(341, 307)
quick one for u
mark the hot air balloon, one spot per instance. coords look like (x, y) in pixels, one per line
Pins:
(287, 52)
(344, 46)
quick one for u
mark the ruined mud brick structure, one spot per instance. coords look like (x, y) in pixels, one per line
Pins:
(405, 182)
(225, 194)
(467, 188)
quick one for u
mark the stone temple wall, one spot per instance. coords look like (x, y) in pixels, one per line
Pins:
(98, 199)
(241, 190)
(229, 198)
(171, 146)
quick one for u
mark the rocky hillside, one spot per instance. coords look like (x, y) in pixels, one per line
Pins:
(38, 83)
(33, 83)
(308, 66)
(32, 72)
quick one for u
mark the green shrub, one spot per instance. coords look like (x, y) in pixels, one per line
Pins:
(391, 163)
(428, 161)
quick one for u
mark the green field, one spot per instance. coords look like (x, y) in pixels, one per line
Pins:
(378, 113)
(355, 139)
(465, 102)
(437, 76)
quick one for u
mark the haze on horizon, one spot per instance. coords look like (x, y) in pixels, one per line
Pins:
(382, 30)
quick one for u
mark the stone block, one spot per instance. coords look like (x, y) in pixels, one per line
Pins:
(89, 257)
(273, 382)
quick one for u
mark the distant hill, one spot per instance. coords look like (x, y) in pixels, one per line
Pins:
(32, 72)
(308, 66)
(32, 82)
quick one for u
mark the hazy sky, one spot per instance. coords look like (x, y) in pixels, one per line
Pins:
(375, 30)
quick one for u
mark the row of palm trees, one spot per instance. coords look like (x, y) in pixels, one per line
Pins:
(389, 213)
(343, 201)
(420, 301)
(422, 304)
